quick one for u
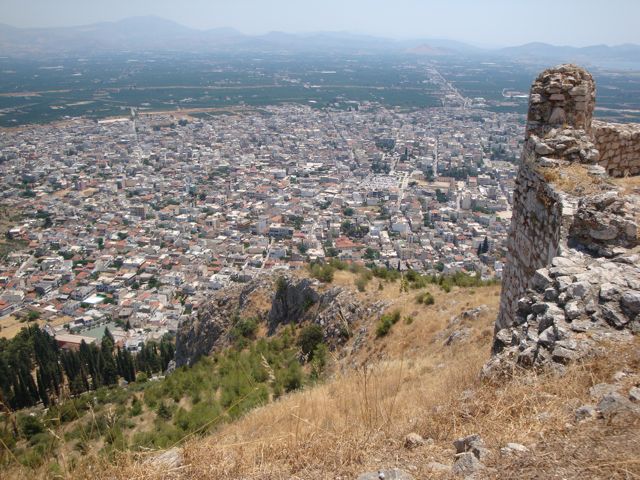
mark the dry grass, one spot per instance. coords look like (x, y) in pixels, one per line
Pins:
(573, 179)
(411, 382)
(11, 325)
(357, 422)
(629, 185)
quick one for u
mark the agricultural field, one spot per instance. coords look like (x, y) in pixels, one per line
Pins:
(37, 92)
(500, 82)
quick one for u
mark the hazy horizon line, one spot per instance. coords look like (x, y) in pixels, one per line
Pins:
(385, 36)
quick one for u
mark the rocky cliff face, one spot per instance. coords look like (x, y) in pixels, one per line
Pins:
(573, 272)
(290, 300)
(208, 327)
(335, 309)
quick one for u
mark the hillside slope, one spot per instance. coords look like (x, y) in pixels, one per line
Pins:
(423, 377)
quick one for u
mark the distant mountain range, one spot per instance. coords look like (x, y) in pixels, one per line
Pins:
(153, 34)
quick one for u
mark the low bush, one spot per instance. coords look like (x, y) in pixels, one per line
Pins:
(310, 337)
(385, 323)
(425, 298)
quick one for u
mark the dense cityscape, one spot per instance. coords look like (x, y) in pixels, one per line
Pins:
(300, 240)
(134, 221)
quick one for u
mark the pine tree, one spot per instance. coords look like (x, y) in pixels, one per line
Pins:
(485, 245)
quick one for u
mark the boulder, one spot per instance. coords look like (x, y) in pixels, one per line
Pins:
(541, 279)
(578, 289)
(614, 403)
(472, 443)
(573, 309)
(466, 464)
(630, 301)
(168, 459)
(601, 389)
(393, 474)
(513, 449)
(413, 440)
(585, 412)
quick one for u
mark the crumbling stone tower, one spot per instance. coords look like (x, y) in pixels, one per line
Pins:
(571, 225)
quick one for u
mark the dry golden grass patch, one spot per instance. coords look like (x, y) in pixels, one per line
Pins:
(10, 325)
(358, 420)
(410, 381)
(629, 185)
(574, 179)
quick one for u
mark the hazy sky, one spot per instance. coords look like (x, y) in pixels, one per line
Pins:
(482, 22)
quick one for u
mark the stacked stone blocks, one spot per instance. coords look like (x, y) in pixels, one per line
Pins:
(572, 274)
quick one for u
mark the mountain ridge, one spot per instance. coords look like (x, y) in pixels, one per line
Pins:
(153, 33)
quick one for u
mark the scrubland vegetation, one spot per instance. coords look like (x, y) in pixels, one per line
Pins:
(158, 412)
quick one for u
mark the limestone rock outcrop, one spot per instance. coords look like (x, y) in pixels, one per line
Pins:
(205, 330)
(290, 300)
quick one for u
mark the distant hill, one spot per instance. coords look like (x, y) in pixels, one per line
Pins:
(154, 34)
(428, 50)
(158, 34)
(603, 55)
(136, 33)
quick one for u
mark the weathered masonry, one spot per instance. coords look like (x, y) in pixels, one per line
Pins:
(571, 265)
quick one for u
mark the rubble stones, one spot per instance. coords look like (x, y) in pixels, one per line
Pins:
(630, 300)
(393, 474)
(466, 464)
(472, 443)
(168, 459)
(608, 291)
(513, 448)
(573, 309)
(578, 289)
(413, 440)
(541, 279)
(585, 412)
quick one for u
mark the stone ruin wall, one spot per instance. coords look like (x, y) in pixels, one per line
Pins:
(619, 147)
(559, 98)
(537, 229)
(548, 223)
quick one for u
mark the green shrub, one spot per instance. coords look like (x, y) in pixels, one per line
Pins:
(310, 337)
(319, 360)
(383, 327)
(293, 377)
(338, 264)
(245, 327)
(281, 285)
(30, 426)
(361, 283)
(390, 275)
(322, 271)
(387, 321)
(136, 407)
(164, 411)
(425, 298)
